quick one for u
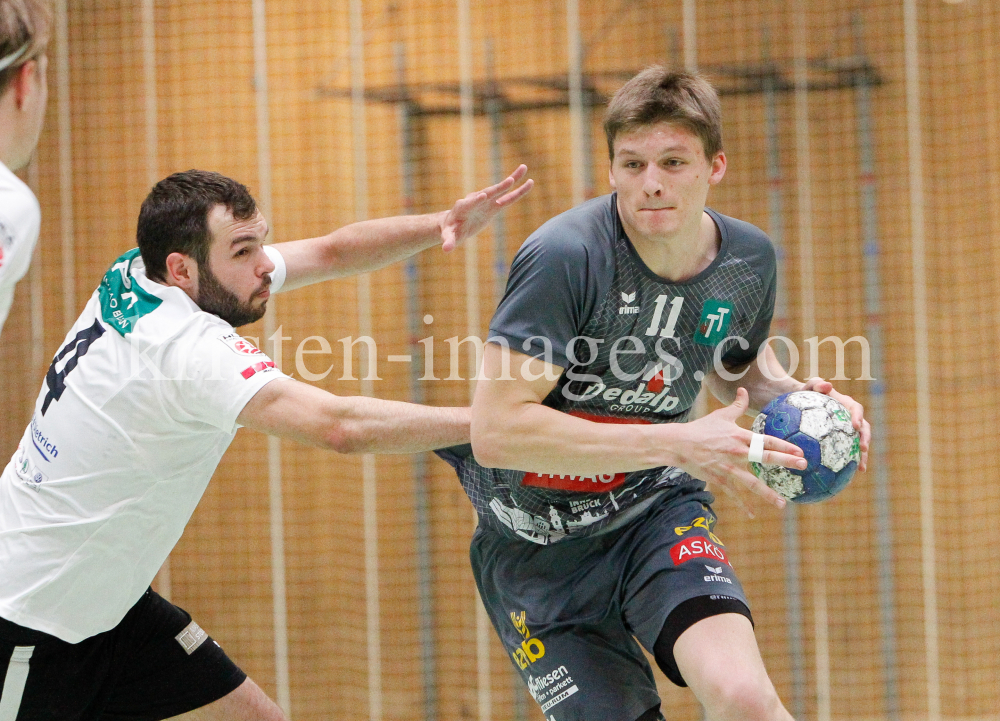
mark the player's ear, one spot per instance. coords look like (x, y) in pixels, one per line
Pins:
(718, 168)
(23, 82)
(611, 179)
(182, 271)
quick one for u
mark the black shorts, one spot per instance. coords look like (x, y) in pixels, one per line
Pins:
(570, 614)
(155, 664)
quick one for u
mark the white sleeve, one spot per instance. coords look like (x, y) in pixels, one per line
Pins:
(20, 219)
(278, 275)
(212, 373)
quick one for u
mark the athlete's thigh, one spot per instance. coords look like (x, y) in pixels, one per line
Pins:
(167, 665)
(555, 612)
(246, 703)
(587, 672)
(719, 659)
(155, 664)
(676, 558)
(717, 651)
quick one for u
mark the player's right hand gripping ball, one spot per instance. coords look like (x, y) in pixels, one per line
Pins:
(821, 427)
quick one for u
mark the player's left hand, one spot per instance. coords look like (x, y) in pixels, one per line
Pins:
(856, 410)
(473, 212)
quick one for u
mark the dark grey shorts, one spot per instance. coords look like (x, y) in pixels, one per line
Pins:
(569, 614)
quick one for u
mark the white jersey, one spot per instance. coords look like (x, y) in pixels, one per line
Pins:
(20, 220)
(136, 411)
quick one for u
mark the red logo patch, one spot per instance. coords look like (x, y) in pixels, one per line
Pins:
(697, 547)
(240, 345)
(592, 484)
(262, 366)
(245, 346)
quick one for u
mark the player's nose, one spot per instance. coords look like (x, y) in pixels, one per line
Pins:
(652, 187)
(266, 266)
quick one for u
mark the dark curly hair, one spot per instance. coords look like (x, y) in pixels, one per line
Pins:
(174, 216)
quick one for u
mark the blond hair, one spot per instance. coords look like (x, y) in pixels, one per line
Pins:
(25, 28)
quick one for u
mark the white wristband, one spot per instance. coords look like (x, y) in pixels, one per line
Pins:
(756, 454)
(278, 274)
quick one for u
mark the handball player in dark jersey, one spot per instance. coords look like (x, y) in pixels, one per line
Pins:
(596, 533)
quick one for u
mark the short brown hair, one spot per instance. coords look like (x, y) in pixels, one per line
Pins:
(25, 28)
(658, 95)
(174, 216)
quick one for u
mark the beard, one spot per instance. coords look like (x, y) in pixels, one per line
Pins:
(215, 298)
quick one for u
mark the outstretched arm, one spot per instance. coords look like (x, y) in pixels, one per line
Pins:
(352, 424)
(372, 244)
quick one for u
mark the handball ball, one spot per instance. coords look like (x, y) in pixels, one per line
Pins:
(821, 427)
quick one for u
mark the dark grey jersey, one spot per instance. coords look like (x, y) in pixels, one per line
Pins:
(635, 348)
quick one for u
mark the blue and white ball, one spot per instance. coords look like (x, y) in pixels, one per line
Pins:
(821, 427)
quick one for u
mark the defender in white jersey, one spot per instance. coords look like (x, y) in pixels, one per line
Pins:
(24, 35)
(137, 409)
(600, 536)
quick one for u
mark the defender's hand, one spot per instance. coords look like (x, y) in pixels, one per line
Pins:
(856, 410)
(714, 449)
(473, 212)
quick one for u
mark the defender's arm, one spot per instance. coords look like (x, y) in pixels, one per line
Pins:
(372, 244)
(352, 424)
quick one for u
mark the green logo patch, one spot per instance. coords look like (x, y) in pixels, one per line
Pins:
(123, 302)
(714, 325)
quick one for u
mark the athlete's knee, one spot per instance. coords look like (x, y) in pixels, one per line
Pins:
(246, 703)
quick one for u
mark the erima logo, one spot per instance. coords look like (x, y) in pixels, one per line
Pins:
(628, 309)
(714, 574)
(721, 579)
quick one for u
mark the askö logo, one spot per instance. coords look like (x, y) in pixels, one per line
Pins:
(697, 547)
